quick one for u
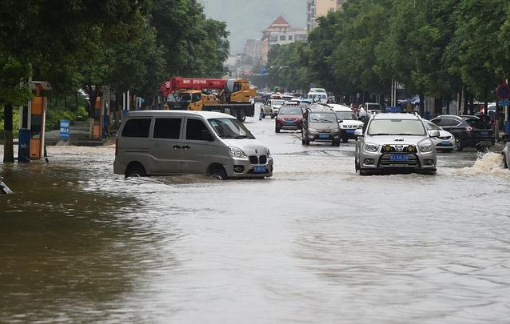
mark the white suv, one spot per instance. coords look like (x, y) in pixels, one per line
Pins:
(395, 142)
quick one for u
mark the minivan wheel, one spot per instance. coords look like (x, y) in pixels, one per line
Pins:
(135, 171)
(218, 174)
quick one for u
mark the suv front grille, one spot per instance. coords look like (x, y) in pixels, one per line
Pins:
(413, 161)
(254, 159)
(398, 148)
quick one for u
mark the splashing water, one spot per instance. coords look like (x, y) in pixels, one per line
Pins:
(487, 164)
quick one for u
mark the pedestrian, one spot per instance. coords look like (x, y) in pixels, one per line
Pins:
(362, 113)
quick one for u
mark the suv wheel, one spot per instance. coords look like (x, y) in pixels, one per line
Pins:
(345, 140)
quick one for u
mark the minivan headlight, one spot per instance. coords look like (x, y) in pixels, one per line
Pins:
(426, 147)
(371, 147)
(236, 152)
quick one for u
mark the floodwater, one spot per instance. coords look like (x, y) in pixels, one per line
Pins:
(316, 243)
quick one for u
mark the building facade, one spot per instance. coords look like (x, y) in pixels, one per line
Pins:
(319, 8)
(280, 32)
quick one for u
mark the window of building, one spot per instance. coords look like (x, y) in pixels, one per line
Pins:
(138, 127)
(282, 37)
(290, 37)
(167, 128)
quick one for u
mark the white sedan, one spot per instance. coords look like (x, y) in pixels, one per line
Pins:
(445, 142)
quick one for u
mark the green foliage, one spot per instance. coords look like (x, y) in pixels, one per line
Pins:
(286, 68)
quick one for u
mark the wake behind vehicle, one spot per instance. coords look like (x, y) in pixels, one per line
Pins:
(320, 124)
(395, 142)
(163, 142)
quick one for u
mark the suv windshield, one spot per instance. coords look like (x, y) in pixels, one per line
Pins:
(230, 128)
(291, 111)
(343, 115)
(322, 117)
(396, 127)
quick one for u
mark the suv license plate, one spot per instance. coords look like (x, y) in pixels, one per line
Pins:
(399, 157)
(485, 134)
(259, 169)
(446, 143)
(324, 136)
(350, 131)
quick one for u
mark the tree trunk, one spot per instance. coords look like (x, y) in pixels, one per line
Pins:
(8, 136)
(471, 104)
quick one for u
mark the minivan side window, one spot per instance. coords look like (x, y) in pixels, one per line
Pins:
(194, 128)
(137, 127)
(167, 128)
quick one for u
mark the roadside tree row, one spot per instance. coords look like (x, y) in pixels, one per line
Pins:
(122, 44)
(433, 48)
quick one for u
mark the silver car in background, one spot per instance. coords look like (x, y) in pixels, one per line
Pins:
(395, 142)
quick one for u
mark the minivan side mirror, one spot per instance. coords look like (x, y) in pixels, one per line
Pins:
(434, 133)
(207, 136)
(358, 132)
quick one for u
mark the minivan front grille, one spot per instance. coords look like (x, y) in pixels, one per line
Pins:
(254, 159)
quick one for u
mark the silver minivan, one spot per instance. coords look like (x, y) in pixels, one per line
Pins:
(163, 142)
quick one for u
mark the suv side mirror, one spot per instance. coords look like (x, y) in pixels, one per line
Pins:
(207, 136)
(358, 132)
(434, 133)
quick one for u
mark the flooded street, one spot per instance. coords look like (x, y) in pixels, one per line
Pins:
(316, 243)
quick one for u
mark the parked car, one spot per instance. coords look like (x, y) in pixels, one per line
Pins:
(290, 117)
(395, 142)
(164, 142)
(373, 107)
(469, 131)
(271, 107)
(445, 142)
(347, 121)
(320, 124)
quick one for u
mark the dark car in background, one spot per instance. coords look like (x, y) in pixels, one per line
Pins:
(289, 118)
(469, 131)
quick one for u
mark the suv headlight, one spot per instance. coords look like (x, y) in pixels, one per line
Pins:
(426, 146)
(371, 147)
(268, 153)
(238, 153)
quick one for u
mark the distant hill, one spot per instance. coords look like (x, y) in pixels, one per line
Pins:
(247, 18)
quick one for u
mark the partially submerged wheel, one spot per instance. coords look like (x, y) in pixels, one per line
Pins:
(135, 171)
(218, 174)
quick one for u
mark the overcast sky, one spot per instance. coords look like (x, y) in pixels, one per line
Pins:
(247, 18)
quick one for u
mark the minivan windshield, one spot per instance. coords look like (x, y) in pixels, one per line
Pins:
(230, 128)
(396, 127)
